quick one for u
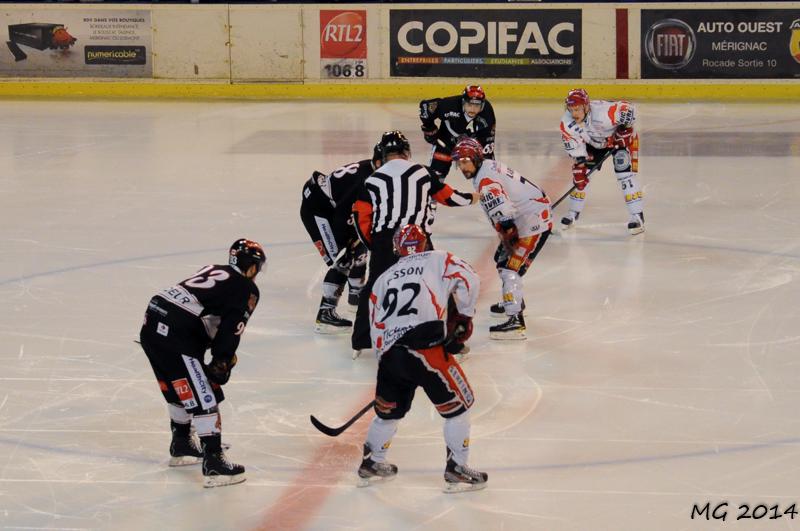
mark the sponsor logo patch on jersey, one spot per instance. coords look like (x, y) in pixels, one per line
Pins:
(200, 381)
(184, 392)
(491, 197)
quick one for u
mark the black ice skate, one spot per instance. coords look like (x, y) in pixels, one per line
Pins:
(458, 478)
(514, 328)
(372, 472)
(569, 220)
(498, 310)
(636, 224)
(218, 471)
(352, 298)
(329, 322)
(184, 451)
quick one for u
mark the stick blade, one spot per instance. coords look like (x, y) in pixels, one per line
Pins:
(330, 432)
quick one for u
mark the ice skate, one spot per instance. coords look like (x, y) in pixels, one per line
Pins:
(329, 322)
(513, 328)
(458, 478)
(372, 472)
(218, 471)
(357, 352)
(352, 299)
(636, 224)
(498, 310)
(569, 220)
(184, 451)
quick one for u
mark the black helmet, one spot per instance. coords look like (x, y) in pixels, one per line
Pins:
(393, 142)
(245, 253)
(376, 152)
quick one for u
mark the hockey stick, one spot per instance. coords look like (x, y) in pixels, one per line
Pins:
(333, 432)
(591, 171)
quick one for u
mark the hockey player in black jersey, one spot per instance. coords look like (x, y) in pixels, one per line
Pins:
(468, 114)
(207, 310)
(325, 210)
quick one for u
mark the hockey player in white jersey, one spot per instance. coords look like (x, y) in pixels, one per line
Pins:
(590, 130)
(421, 313)
(520, 213)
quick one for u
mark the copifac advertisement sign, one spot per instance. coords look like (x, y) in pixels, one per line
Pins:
(731, 43)
(343, 43)
(70, 43)
(524, 43)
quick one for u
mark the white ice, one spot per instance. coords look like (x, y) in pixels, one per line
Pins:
(661, 371)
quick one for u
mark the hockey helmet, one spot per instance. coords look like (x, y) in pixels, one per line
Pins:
(575, 97)
(474, 94)
(376, 152)
(245, 253)
(410, 239)
(393, 142)
(468, 148)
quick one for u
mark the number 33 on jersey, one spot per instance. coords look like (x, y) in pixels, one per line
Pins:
(416, 290)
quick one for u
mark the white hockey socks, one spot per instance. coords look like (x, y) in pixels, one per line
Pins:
(379, 437)
(631, 192)
(577, 200)
(456, 437)
(208, 424)
(178, 414)
(512, 291)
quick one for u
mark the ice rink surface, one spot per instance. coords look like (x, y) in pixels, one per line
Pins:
(662, 370)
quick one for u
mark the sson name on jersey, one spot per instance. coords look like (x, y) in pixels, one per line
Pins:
(415, 291)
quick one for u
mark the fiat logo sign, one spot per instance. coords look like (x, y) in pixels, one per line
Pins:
(670, 44)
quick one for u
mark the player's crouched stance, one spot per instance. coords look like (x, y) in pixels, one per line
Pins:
(520, 213)
(592, 130)
(207, 310)
(421, 312)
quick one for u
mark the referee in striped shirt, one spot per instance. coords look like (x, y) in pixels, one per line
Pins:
(397, 194)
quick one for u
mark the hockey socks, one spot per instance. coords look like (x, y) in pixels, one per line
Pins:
(374, 467)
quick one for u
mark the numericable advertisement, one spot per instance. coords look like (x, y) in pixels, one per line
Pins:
(71, 43)
(717, 43)
(343, 44)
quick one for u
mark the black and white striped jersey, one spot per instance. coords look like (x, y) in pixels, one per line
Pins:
(400, 193)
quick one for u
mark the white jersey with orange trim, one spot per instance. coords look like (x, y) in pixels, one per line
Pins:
(416, 290)
(508, 196)
(603, 118)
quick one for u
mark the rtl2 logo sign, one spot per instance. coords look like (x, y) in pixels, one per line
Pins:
(343, 34)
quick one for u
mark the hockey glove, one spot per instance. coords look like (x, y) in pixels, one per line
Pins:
(459, 330)
(219, 370)
(580, 176)
(622, 138)
(508, 233)
(430, 132)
